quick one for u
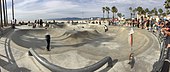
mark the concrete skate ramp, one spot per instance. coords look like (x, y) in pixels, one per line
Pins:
(81, 36)
(33, 37)
(74, 52)
(91, 68)
(91, 44)
(36, 38)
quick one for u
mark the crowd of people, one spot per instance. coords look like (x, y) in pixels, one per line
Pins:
(160, 26)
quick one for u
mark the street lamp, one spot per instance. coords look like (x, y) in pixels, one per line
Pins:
(1, 14)
(6, 12)
(13, 9)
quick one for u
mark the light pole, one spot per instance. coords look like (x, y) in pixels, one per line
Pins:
(1, 14)
(13, 21)
(3, 6)
(6, 12)
(13, 9)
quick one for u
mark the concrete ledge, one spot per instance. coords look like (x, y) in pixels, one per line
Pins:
(55, 68)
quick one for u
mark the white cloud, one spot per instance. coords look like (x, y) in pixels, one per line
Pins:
(59, 4)
(33, 9)
(24, 2)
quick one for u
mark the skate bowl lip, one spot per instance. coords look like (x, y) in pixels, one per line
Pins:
(89, 68)
(26, 49)
(43, 32)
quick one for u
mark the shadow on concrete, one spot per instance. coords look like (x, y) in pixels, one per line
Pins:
(11, 64)
(108, 68)
(28, 42)
(90, 68)
(94, 42)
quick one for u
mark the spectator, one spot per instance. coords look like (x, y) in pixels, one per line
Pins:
(13, 24)
(41, 23)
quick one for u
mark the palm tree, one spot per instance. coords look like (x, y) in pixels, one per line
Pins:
(130, 8)
(139, 9)
(143, 12)
(123, 15)
(119, 15)
(147, 11)
(167, 12)
(114, 10)
(160, 11)
(163, 14)
(108, 11)
(134, 11)
(104, 9)
(155, 11)
(167, 5)
(152, 11)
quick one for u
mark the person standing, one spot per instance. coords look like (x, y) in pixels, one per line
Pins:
(142, 22)
(166, 30)
(13, 24)
(41, 23)
(48, 41)
(138, 23)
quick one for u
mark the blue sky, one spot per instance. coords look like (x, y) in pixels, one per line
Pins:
(35, 9)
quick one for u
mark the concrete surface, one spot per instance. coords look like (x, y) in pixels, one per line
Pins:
(76, 47)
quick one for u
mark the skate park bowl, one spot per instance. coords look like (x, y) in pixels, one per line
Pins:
(91, 68)
(90, 43)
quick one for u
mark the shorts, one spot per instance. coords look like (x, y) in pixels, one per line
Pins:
(106, 30)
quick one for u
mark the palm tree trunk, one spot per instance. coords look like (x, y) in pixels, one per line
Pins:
(113, 18)
(108, 15)
(1, 25)
(4, 14)
(103, 15)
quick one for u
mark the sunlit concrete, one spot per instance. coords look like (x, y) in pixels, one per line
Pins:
(76, 47)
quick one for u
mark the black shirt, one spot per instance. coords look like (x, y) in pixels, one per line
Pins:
(47, 37)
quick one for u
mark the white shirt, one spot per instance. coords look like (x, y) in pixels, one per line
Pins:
(13, 21)
(105, 27)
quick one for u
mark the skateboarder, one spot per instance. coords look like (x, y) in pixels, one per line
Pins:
(131, 60)
(48, 41)
(105, 28)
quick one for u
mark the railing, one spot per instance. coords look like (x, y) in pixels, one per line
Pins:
(55, 68)
(160, 64)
